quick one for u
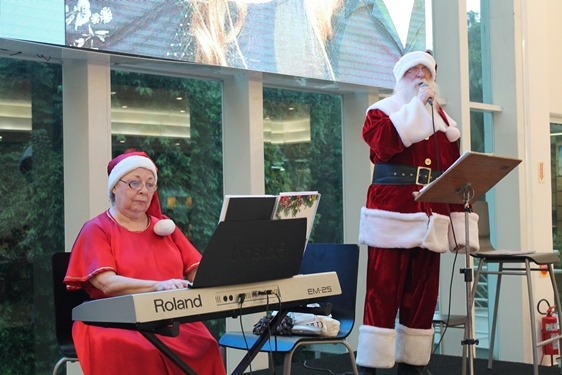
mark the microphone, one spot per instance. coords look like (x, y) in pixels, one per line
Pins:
(424, 84)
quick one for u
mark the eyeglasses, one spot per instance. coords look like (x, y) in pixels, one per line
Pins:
(416, 69)
(137, 185)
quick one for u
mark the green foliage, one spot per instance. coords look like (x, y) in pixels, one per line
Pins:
(314, 165)
(189, 170)
(32, 219)
(16, 358)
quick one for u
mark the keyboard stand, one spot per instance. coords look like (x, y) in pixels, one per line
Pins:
(255, 349)
(150, 336)
(244, 363)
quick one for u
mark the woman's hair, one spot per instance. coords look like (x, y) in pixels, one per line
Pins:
(320, 14)
(216, 24)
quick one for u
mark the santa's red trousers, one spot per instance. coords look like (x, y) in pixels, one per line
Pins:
(403, 281)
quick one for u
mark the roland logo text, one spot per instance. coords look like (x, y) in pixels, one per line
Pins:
(177, 304)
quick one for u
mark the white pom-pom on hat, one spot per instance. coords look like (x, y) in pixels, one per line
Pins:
(412, 59)
(164, 227)
(125, 163)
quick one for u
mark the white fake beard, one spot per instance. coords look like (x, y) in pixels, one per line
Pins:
(408, 89)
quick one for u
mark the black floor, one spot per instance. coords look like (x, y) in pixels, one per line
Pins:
(439, 365)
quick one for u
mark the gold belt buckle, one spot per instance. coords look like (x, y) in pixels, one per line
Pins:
(418, 176)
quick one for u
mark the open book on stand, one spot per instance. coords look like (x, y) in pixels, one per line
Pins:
(297, 204)
(286, 205)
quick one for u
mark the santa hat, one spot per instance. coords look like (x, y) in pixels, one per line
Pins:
(127, 162)
(412, 59)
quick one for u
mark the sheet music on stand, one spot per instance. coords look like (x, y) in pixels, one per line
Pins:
(482, 171)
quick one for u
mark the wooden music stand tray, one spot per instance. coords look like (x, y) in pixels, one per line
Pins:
(464, 182)
(480, 171)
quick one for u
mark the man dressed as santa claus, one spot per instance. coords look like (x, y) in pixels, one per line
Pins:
(411, 140)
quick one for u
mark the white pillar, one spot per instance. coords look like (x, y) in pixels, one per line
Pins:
(243, 154)
(87, 140)
(87, 144)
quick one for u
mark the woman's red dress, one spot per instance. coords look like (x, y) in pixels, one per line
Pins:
(105, 245)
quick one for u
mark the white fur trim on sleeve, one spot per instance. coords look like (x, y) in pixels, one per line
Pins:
(375, 347)
(457, 237)
(412, 122)
(436, 238)
(413, 346)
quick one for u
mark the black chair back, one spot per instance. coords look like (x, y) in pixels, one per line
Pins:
(65, 301)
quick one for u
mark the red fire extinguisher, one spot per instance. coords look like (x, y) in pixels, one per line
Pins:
(550, 328)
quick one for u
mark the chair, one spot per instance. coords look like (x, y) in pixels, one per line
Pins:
(65, 301)
(528, 262)
(344, 260)
(444, 321)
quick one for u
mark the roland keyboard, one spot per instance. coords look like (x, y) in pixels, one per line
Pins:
(145, 310)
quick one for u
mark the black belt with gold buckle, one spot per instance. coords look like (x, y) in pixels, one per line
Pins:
(400, 174)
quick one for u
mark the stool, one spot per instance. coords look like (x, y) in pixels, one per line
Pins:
(525, 259)
(453, 321)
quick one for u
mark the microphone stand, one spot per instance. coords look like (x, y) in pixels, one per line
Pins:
(467, 193)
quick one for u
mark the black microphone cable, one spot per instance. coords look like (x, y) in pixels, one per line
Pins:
(241, 299)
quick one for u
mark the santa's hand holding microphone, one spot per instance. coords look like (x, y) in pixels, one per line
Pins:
(426, 93)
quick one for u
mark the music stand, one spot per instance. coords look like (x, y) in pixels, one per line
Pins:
(469, 178)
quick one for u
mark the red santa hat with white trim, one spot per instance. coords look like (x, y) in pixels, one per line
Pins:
(127, 162)
(412, 59)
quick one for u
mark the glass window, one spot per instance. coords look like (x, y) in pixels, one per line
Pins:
(32, 212)
(481, 139)
(556, 186)
(475, 51)
(303, 151)
(178, 122)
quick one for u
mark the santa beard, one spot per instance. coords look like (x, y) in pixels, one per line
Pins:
(409, 88)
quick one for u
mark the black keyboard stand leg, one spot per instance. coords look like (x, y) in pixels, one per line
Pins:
(168, 352)
(255, 349)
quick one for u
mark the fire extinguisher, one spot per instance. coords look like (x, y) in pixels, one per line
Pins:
(550, 328)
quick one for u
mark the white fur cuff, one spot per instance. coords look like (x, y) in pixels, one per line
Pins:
(436, 237)
(413, 346)
(457, 232)
(376, 347)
